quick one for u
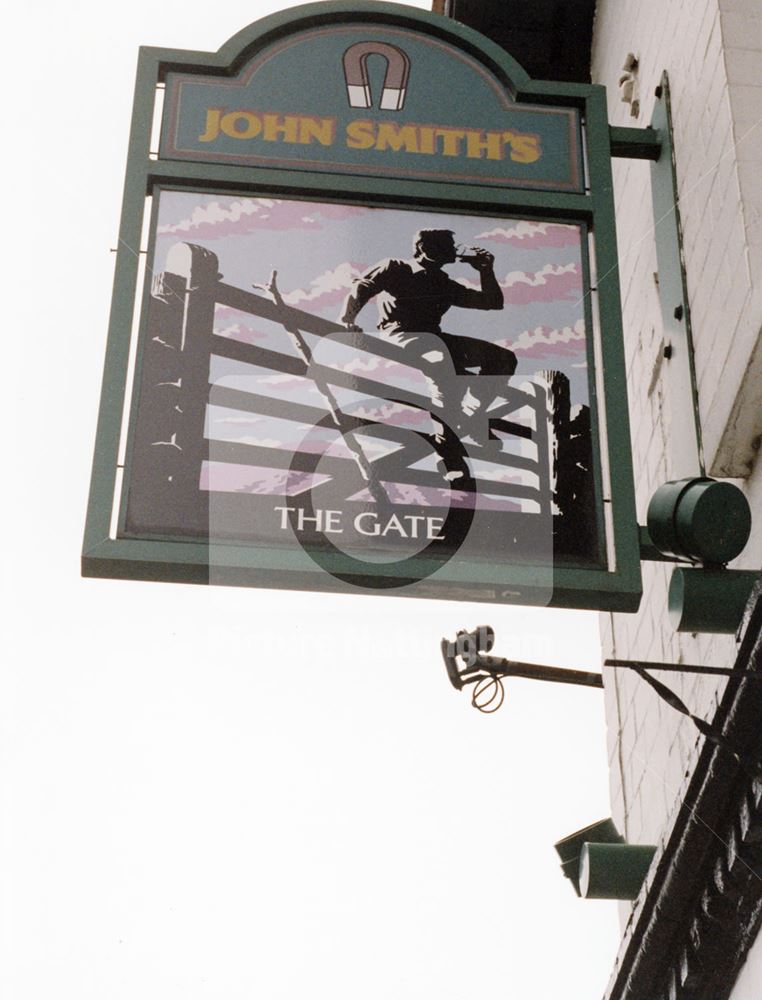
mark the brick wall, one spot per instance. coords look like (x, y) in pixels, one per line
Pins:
(712, 51)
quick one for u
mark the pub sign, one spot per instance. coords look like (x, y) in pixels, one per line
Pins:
(366, 319)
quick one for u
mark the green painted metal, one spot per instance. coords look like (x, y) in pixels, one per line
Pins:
(714, 521)
(661, 514)
(700, 519)
(648, 551)
(250, 566)
(594, 401)
(133, 410)
(709, 600)
(614, 871)
(635, 143)
(371, 190)
(678, 369)
(614, 394)
(275, 111)
(103, 478)
(618, 587)
(569, 849)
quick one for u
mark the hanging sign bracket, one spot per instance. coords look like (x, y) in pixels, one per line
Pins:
(635, 143)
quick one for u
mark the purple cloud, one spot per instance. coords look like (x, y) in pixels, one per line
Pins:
(534, 235)
(240, 216)
(223, 477)
(441, 497)
(236, 325)
(549, 284)
(394, 414)
(329, 288)
(544, 342)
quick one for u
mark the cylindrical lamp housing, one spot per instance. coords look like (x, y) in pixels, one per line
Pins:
(703, 600)
(570, 848)
(702, 520)
(613, 871)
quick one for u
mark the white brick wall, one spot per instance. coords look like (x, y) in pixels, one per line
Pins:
(741, 22)
(712, 51)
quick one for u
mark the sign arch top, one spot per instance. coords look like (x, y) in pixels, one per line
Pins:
(384, 91)
(240, 47)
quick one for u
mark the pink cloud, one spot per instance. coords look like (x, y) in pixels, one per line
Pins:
(441, 497)
(393, 374)
(543, 342)
(534, 235)
(236, 325)
(364, 364)
(329, 289)
(223, 477)
(240, 216)
(549, 284)
(284, 380)
(235, 331)
(393, 414)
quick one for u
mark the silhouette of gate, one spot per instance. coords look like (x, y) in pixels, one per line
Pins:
(174, 463)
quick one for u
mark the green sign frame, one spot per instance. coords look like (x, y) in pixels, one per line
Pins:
(581, 199)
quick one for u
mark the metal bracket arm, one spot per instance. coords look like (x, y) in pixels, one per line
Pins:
(635, 143)
(649, 552)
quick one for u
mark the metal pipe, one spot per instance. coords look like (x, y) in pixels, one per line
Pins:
(538, 672)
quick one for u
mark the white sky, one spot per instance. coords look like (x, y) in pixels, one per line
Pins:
(241, 794)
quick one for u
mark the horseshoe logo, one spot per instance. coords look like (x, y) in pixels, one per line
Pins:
(358, 82)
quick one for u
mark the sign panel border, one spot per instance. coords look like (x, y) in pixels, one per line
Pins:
(618, 587)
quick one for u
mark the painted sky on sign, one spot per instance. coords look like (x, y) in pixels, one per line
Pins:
(318, 249)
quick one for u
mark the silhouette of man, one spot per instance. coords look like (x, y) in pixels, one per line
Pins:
(415, 294)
